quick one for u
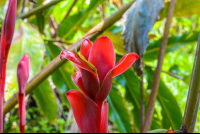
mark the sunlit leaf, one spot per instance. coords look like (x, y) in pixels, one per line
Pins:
(67, 29)
(183, 8)
(2, 2)
(174, 43)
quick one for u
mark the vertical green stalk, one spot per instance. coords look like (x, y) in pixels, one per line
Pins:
(193, 94)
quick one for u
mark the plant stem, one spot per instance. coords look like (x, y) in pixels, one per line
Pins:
(150, 110)
(38, 9)
(141, 93)
(60, 41)
(2, 86)
(195, 115)
(169, 73)
(193, 94)
(56, 63)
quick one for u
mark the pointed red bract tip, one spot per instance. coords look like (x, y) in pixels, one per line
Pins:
(85, 47)
(124, 63)
(9, 22)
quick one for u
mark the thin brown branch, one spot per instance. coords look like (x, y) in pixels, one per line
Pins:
(169, 73)
(23, 6)
(193, 94)
(58, 40)
(150, 110)
(56, 63)
(69, 11)
(53, 26)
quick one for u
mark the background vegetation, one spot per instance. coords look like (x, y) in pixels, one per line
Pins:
(43, 36)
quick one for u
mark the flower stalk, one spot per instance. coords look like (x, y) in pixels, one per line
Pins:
(6, 38)
(193, 94)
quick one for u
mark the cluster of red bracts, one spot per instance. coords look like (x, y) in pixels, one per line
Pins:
(96, 68)
(22, 77)
(6, 38)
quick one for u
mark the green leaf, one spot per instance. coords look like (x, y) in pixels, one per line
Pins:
(183, 8)
(187, 79)
(131, 83)
(26, 40)
(60, 10)
(119, 112)
(68, 29)
(171, 112)
(158, 131)
(40, 21)
(174, 43)
(46, 101)
(174, 69)
(61, 77)
(133, 93)
(2, 2)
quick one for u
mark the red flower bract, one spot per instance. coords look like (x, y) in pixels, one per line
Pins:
(96, 68)
(7, 32)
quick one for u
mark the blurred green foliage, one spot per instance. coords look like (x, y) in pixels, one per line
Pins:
(34, 34)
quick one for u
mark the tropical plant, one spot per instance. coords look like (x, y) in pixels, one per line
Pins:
(159, 93)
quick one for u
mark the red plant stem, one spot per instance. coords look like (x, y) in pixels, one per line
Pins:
(2, 86)
(3, 61)
(6, 38)
(22, 112)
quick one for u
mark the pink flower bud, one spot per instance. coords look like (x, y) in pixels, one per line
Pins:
(23, 73)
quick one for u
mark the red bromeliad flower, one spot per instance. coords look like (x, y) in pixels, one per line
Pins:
(6, 38)
(22, 77)
(96, 68)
